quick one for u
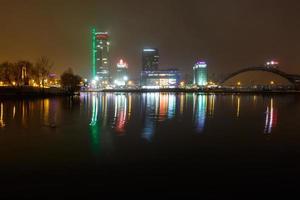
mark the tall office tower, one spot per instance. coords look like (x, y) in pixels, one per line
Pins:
(150, 59)
(121, 78)
(200, 73)
(100, 57)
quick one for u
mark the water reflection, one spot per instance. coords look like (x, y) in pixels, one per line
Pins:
(157, 108)
(271, 117)
(238, 107)
(14, 111)
(172, 106)
(152, 107)
(2, 124)
(94, 110)
(94, 126)
(200, 110)
(182, 97)
(115, 114)
(120, 114)
(211, 107)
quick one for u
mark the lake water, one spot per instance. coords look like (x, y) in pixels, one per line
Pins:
(190, 144)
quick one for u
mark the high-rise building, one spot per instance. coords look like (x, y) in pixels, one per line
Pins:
(150, 59)
(100, 57)
(121, 77)
(200, 73)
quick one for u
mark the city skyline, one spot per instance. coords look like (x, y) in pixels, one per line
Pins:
(229, 36)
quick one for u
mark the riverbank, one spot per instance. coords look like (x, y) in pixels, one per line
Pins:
(28, 91)
(208, 91)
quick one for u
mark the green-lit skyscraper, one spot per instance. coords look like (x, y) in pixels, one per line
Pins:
(100, 57)
(200, 73)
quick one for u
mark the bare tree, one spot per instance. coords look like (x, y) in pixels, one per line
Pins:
(70, 82)
(7, 72)
(43, 67)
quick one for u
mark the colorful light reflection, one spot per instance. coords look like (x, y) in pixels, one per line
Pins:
(120, 114)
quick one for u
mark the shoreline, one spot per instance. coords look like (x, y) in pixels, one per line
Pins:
(205, 91)
(26, 91)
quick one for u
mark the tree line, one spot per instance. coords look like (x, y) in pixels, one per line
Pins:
(21, 72)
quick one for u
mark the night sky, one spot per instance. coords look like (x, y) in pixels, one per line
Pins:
(228, 34)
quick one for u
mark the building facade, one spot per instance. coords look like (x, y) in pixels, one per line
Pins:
(150, 59)
(100, 57)
(121, 76)
(200, 73)
(160, 79)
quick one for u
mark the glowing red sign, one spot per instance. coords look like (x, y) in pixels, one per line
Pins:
(102, 36)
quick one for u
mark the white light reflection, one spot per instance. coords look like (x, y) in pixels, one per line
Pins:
(95, 110)
(271, 118)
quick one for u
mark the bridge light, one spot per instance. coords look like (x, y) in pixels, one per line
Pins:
(272, 63)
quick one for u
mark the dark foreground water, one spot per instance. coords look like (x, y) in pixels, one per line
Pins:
(150, 145)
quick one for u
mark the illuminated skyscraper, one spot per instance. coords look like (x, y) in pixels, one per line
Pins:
(100, 57)
(121, 78)
(150, 59)
(200, 73)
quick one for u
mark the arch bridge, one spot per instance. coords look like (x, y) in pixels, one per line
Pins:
(292, 78)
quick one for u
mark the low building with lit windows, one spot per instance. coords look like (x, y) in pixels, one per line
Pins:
(160, 79)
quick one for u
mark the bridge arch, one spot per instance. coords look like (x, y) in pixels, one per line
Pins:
(272, 70)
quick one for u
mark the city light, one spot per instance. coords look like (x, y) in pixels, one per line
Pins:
(272, 63)
(149, 50)
(122, 64)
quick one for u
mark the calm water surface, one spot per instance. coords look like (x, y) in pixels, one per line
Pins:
(151, 142)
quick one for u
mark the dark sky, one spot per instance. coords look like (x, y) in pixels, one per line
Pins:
(229, 34)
